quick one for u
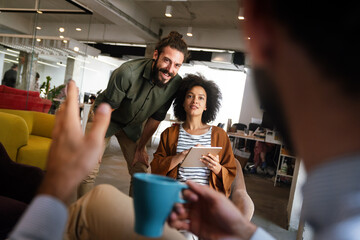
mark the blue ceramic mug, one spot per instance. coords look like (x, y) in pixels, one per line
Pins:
(154, 198)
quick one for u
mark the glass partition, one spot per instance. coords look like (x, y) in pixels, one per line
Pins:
(40, 50)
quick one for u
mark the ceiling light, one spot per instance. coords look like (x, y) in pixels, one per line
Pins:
(13, 51)
(76, 49)
(10, 60)
(38, 28)
(65, 41)
(61, 64)
(249, 38)
(78, 29)
(38, 40)
(61, 29)
(241, 14)
(10, 54)
(61, 36)
(189, 32)
(168, 11)
(48, 64)
(39, 12)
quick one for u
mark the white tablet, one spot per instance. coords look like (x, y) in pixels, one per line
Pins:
(192, 159)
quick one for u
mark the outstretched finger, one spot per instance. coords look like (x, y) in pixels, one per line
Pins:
(101, 122)
(59, 121)
(71, 103)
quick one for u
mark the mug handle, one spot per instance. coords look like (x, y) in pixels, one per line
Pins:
(182, 187)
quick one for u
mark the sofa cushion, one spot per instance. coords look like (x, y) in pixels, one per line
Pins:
(40, 124)
(26, 115)
(43, 124)
(14, 133)
(35, 152)
(11, 98)
(10, 90)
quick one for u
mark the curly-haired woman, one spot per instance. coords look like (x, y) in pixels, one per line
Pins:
(196, 104)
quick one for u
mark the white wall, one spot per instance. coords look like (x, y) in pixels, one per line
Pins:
(56, 73)
(250, 106)
(97, 72)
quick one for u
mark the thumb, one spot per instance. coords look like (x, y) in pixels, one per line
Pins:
(101, 122)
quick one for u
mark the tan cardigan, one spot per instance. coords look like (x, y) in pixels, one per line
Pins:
(167, 148)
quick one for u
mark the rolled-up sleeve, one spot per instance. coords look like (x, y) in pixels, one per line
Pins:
(45, 218)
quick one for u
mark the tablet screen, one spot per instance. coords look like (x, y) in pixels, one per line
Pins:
(192, 159)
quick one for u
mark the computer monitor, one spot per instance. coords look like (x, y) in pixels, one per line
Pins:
(267, 122)
(86, 97)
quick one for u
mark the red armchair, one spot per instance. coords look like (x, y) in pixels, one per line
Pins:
(12, 98)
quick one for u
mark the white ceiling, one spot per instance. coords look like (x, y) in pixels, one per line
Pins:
(214, 22)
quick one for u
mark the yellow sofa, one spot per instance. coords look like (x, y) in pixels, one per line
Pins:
(26, 135)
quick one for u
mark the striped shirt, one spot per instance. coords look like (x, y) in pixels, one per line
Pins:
(185, 142)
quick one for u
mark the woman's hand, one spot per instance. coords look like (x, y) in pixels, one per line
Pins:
(213, 163)
(179, 158)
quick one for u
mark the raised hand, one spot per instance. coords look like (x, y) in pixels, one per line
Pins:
(72, 155)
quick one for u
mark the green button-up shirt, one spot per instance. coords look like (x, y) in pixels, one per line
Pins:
(135, 97)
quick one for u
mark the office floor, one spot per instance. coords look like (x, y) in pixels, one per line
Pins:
(270, 202)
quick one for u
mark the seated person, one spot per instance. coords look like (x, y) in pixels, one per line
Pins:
(260, 151)
(197, 103)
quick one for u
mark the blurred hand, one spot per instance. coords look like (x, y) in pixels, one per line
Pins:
(72, 155)
(210, 215)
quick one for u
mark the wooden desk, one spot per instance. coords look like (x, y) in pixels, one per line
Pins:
(241, 134)
(269, 138)
(282, 156)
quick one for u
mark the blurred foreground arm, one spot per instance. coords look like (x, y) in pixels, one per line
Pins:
(210, 215)
(71, 157)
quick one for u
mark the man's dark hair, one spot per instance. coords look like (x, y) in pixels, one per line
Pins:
(213, 97)
(37, 75)
(14, 66)
(328, 31)
(173, 40)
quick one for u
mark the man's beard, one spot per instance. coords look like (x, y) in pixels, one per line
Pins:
(155, 75)
(270, 102)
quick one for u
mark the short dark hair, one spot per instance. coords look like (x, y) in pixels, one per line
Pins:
(213, 97)
(328, 31)
(173, 40)
(14, 66)
(37, 75)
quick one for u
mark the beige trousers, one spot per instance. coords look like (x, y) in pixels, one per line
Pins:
(107, 213)
(128, 147)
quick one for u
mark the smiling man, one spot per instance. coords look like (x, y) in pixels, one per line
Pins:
(141, 91)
